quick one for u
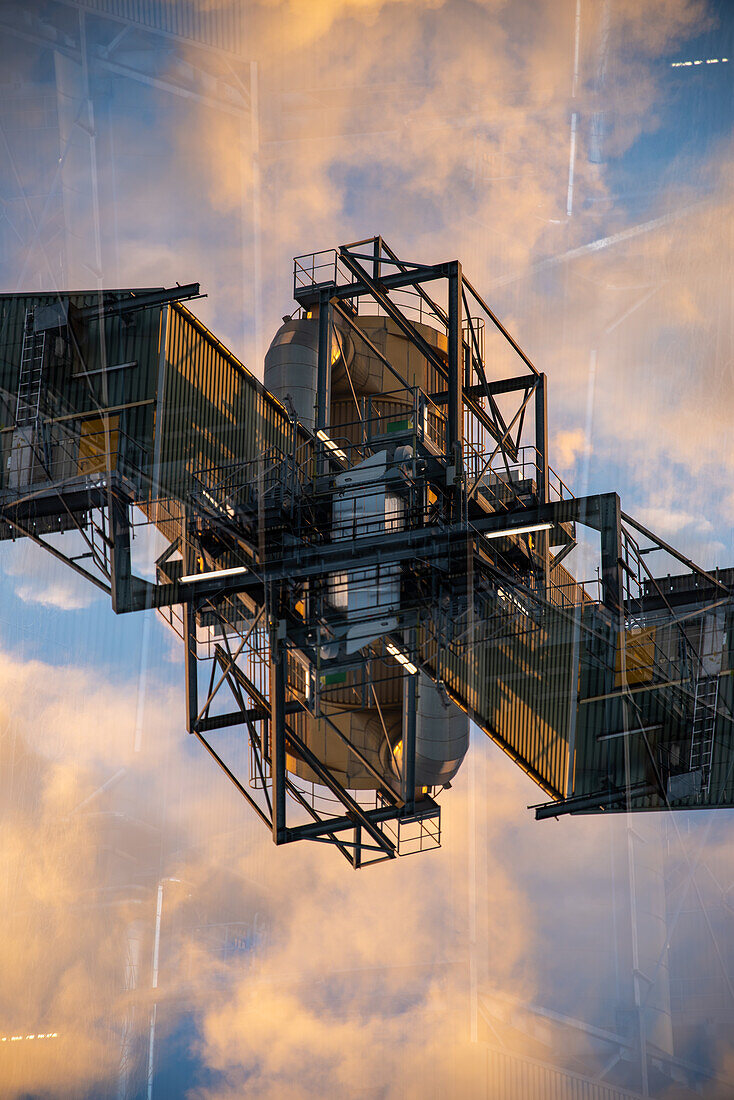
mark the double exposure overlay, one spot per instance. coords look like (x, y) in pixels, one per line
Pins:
(365, 379)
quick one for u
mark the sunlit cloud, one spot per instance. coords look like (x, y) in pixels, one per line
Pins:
(444, 126)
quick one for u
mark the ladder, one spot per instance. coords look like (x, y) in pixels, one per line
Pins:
(30, 381)
(705, 700)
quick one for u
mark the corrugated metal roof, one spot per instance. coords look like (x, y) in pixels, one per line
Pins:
(221, 26)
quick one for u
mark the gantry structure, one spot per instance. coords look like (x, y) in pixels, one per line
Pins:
(367, 555)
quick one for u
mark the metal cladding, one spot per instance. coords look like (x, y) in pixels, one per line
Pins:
(656, 725)
(222, 27)
(363, 506)
(174, 402)
(441, 735)
(363, 560)
(291, 368)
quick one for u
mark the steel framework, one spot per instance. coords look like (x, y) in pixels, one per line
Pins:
(255, 562)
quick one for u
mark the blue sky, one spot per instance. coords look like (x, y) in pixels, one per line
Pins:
(447, 128)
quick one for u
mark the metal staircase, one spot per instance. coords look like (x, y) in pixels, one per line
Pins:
(31, 375)
(704, 726)
(28, 450)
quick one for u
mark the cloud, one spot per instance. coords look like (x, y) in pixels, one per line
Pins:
(66, 595)
(423, 121)
(43, 580)
(353, 981)
(62, 948)
(362, 987)
(670, 523)
(569, 446)
(445, 126)
(356, 977)
(81, 836)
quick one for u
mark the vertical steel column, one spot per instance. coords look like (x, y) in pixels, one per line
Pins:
(468, 352)
(610, 525)
(454, 408)
(541, 437)
(120, 560)
(323, 394)
(541, 458)
(377, 252)
(409, 729)
(191, 670)
(278, 672)
(323, 383)
(190, 666)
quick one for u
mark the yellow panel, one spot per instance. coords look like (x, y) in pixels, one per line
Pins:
(639, 658)
(94, 457)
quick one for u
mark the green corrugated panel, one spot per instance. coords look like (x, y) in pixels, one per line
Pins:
(512, 1077)
(221, 27)
(127, 340)
(662, 706)
(514, 677)
(213, 413)
(74, 391)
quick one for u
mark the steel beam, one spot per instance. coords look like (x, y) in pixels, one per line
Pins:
(234, 780)
(278, 673)
(135, 302)
(323, 383)
(455, 405)
(379, 292)
(714, 581)
(610, 527)
(309, 295)
(409, 731)
(498, 324)
(354, 810)
(27, 533)
(241, 717)
(600, 512)
(591, 803)
(190, 667)
(426, 808)
(120, 558)
(541, 450)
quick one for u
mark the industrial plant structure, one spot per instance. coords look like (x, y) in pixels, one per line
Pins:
(365, 552)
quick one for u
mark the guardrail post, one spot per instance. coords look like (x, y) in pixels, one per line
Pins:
(455, 404)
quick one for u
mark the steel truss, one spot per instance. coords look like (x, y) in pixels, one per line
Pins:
(253, 558)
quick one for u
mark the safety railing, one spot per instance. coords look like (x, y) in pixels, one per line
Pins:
(76, 453)
(325, 268)
(317, 269)
(502, 476)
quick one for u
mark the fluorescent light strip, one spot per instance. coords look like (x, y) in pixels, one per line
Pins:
(219, 507)
(335, 450)
(215, 574)
(401, 658)
(18, 1038)
(517, 530)
(703, 61)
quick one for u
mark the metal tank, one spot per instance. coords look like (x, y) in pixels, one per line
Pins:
(441, 735)
(291, 367)
(363, 507)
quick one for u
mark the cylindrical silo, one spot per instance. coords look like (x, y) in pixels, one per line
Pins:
(291, 367)
(372, 721)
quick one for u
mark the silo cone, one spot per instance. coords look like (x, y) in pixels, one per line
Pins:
(441, 734)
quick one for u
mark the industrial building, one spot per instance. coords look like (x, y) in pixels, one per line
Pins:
(97, 52)
(366, 551)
